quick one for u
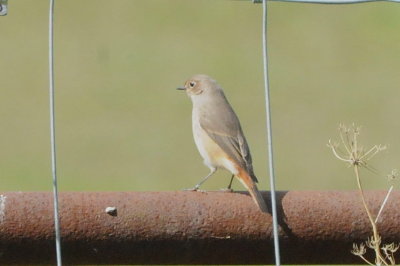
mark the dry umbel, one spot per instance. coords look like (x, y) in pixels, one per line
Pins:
(357, 157)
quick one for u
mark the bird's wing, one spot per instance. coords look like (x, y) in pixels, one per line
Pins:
(227, 133)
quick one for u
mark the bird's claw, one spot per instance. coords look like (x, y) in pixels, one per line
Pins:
(190, 189)
(194, 189)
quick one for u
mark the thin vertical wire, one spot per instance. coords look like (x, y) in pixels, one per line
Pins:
(53, 134)
(269, 134)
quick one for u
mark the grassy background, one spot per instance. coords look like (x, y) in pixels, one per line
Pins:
(121, 125)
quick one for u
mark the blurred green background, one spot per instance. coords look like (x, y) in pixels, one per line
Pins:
(121, 125)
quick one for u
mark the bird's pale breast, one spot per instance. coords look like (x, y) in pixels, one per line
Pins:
(211, 152)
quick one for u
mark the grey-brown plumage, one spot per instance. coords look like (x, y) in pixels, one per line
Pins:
(226, 131)
(218, 134)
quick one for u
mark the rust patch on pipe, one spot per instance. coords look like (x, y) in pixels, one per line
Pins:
(189, 227)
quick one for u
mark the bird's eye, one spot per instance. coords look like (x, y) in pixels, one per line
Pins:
(192, 84)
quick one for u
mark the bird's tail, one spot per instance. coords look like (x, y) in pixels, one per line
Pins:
(251, 186)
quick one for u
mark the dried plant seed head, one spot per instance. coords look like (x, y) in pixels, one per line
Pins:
(359, 250)
(369, 243)
(392, 247)
(357, 131)
(372, 243)
(355, 154)
(393, 175)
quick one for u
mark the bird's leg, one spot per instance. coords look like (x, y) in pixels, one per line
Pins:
(230, 183)
(196, 187)
(229, 189)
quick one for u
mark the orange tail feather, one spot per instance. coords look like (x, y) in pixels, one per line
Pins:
(251, 186)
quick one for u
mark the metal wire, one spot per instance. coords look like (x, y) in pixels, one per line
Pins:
(269, 139)
(329, 1)
(337, 1)
(53, 134)
(3, 7)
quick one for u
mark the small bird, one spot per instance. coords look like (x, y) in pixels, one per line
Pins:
(219, 136)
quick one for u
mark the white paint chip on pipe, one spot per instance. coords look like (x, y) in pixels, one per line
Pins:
(2, 208)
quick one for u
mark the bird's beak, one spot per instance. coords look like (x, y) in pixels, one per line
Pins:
(181, 88)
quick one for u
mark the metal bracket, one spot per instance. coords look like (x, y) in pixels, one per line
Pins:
(3, 7)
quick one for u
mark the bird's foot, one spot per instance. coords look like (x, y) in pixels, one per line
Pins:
(196, 188)
(229, 190)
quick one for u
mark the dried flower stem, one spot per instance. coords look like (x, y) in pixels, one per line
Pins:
(358, 157)
(384, 203)
(364, 259)
(379, 257)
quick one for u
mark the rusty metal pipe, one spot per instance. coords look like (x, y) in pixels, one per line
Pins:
(189, 227)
